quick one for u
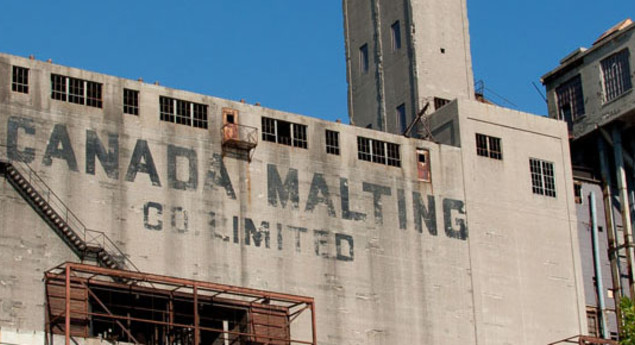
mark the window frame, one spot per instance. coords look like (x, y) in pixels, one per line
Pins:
(543, 181)
(77, 91)
(20, 79)
(298, 137)
(378, 151)
(130, 101)
(616, 75)
(570, 93)
(332, 140)
(182, 112)
(489, 146)
(401, 116)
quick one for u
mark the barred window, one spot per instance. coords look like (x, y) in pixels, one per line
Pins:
(570, 99)
(378, 151)
(542, 177)
(488, 146)
(617, 75)
(131, 102)
(76, 91)
(20, 81)
(183, 112)
(283, 132)
(332, 142)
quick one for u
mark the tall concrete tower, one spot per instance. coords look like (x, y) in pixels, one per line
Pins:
(401, 54)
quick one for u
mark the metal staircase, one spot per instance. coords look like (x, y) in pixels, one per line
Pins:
(87, 244)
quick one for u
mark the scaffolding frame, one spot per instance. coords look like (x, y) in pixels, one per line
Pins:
(585, 340)
(88, 277)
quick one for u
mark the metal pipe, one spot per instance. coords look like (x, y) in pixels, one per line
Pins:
(627, 226)
(598, 266)
(611, 232)
(67, 316)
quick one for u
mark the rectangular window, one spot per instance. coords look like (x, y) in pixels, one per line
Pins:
(332, 142)
(401, 115)
(183, 112)
(617, 75)
(200, 116)
(76, 91)
(363, 59)
(423, 165)
(283, 132)
(396, 36)
(20, 81)
(542, 177)
(570, 100)
(577, 192)
(487, 146)
(378, 151)
(93, 94)
(58, 87)
(131, 102)
(440, 102)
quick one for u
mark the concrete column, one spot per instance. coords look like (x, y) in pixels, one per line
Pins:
(620, 171)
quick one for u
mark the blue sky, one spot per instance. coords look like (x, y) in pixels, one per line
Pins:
(287, 54)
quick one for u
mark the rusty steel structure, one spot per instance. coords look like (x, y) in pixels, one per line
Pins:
(142, 308)
(585, 340)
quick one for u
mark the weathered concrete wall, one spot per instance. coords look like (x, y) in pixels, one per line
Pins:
(472, 257)
(588, 66)
(434, 59)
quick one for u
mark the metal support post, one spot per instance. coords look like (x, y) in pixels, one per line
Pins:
(625, 208)
(598, 267)
(67, 312)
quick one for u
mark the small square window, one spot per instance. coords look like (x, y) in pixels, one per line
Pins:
(166, 109)
(20, 81)
(570, 100)
(200, 116)
(440, 102)
(285, 133)
(395, 29)
(577, 192)
(76, 91)
(378, 151)
(363, 59)
(131, 102)
(332, 142)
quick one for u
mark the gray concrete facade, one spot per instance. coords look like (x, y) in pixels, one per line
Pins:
(415, 51)
(471, 256)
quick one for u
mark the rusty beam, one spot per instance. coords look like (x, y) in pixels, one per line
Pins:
(101, 304)
(148, 277)
(67, 307)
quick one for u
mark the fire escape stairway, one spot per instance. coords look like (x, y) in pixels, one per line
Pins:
(85, 243)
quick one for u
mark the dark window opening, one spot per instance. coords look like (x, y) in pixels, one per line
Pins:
(20, 81)
(401, 115)
(570, 100)
(93, 94)
(577, 192)
(58, 87)
(440, 102)
(75, 91)
(378, 151)
(363, 59)
(487, 146)
(332, 142)
(130, 102)
(183, 112)
(396, 36)
(285, 133)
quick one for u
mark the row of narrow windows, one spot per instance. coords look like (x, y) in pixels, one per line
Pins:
(89, 93)
(616, 80)
(395, 44)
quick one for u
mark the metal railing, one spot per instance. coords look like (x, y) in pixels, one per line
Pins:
(90, 237)
(239, 135)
